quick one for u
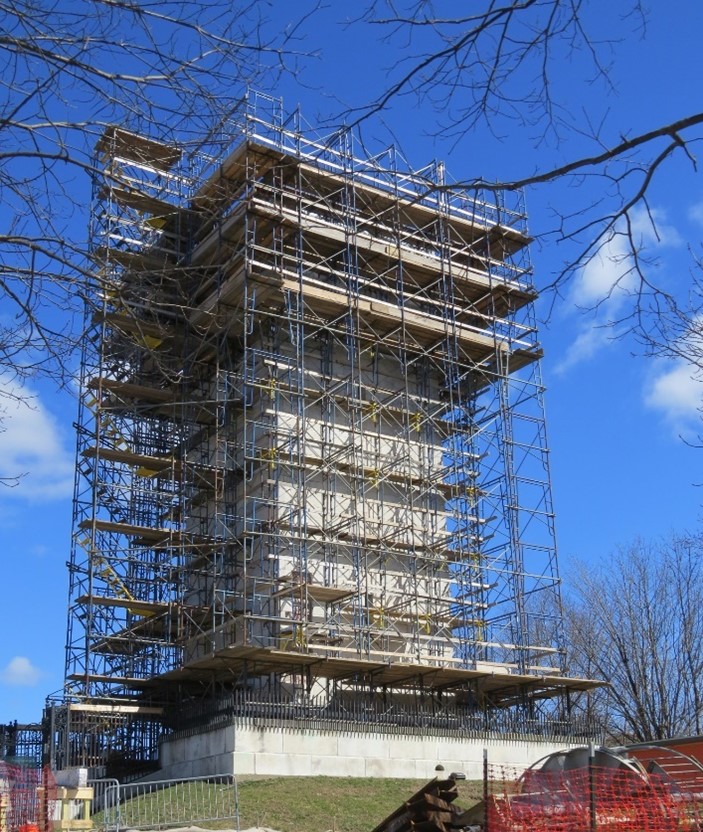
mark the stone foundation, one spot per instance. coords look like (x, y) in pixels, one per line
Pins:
(244, 748)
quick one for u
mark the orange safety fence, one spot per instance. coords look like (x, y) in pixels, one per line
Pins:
(27, 798)
(588, 799)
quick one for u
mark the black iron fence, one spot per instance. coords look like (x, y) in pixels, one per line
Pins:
(21, 744)
(362, 715)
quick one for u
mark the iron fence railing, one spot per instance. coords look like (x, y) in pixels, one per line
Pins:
(159, 804)
(376, 715)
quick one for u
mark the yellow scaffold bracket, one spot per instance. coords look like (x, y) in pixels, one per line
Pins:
(473, 493)
(141, 471)
(108, 426)
(115, 299)
(270, 455)
(378, 616)
(113, 433)
(151, 342)
(108, 574)
(478, 624)
(373, 409)
(84, 542)
(157, 222)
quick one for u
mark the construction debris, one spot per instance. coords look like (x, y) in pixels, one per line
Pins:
(431, 809)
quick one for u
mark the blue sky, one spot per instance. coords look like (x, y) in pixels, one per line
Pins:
(615, 418)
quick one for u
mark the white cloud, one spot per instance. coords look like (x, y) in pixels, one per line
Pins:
(588, 342)
(606, 277)
(695, 213)
(20, 672)
(606, 282)
(676, 393)
(609, 276)
(652, 228)
(33, 445)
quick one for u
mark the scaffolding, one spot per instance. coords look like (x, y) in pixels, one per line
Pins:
(311, 445)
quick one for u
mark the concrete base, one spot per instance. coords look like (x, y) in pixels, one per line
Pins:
(244, 748)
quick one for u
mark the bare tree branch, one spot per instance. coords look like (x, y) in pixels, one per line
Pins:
(496, 66)
(176, 71)
(637, 622)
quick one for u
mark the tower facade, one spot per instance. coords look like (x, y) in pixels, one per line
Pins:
(312, 464)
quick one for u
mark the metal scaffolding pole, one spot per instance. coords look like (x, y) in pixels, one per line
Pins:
(312, 457)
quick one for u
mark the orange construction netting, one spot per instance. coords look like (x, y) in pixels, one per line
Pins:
(27, 798)
(585, 800)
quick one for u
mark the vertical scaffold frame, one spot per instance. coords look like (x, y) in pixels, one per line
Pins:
(311, 453)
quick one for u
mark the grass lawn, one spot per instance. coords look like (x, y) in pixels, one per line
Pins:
(288, 804)
(319, 804)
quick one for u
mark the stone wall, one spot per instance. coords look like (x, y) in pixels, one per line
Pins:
(244, 748)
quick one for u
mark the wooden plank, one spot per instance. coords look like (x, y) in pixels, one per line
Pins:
(426, 330)
(127, 681)
(412, 814)
(130, 529)
(118, 141)
(153, 463)
(134, 325)
(106, 708)
(402, 251)
(442, 804)
(262, 661)
(147, 203)
(144, 607)
(133, 391)
(412, 206)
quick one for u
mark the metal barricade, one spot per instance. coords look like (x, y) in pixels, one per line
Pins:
(106, 794)
(158, 804)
